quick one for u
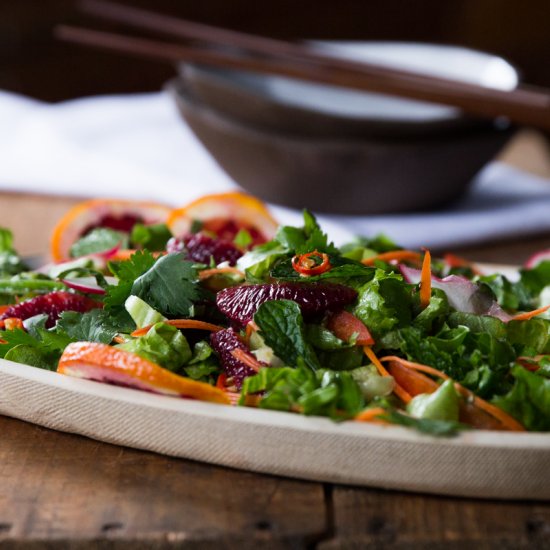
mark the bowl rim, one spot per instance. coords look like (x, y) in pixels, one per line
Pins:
(245, 82)
(178, 89)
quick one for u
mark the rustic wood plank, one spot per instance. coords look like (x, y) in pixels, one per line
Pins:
(31, 218)
(377, 518)
(61, 487)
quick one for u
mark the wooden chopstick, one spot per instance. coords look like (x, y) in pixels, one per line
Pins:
(522, 105)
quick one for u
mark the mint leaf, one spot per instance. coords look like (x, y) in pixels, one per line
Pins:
(282, 327)
(98, 240)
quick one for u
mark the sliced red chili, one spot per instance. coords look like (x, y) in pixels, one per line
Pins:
(312, 263)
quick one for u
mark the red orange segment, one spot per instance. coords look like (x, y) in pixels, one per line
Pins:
(89, 214)
(223, 212)
(105, 363)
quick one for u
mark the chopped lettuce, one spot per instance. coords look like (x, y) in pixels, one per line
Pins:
(323, 393)
(529, 400)
(442, 404)
(163, 344)
(384, 303)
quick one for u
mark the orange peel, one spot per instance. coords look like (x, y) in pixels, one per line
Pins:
(85, 214)
(246, 211)
(105, 363)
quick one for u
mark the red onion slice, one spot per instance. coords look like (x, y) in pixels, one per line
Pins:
(462, 294)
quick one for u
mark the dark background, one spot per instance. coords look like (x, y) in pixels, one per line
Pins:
(32, 62)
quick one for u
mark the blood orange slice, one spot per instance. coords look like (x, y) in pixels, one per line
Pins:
(105, 363)
(224, 215)
(121, 215)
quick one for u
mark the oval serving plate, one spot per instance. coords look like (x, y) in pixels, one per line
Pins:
(479, 464)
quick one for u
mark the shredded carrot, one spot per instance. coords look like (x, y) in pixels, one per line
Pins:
(220, 382)
(119, 339)
(394, 255)
(398, 390)
(4, 308)
(206, 273)
(246, 358)
(426, 280)
(2, 341)
(11, 323)
(417, 366)
(234, 397)
(182, 323)
(456, 261)
(530, 314)
(250, 400)
(504, 418)
(370, 415)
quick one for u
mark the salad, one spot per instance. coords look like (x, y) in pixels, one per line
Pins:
(215, 301)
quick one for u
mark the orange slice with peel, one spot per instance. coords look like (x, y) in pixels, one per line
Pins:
(105, 363)
(225, 213)
(94, 213)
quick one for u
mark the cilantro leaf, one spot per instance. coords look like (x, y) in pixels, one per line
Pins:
(170, 286)
(95, 325)
(116, 295)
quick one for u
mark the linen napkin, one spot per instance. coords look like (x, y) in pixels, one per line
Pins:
(136, 146)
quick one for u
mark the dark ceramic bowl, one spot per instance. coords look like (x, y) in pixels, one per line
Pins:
(307, 109)
(345, 175)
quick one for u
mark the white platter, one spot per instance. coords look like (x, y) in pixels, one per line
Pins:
(477, 464)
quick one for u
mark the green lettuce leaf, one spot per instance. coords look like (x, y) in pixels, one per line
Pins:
(163, 344)
(529, 400)
(322, 393)
(384, 303)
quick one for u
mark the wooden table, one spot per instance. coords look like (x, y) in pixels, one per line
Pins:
(65, 491)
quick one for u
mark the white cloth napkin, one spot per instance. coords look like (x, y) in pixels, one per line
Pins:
(137, 147)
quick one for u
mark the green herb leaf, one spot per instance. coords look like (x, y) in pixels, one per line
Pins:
(171, 286)
(97, 240)
(437, 428)
(152, 237)
(95, 325)
(282, 328)
(529, 400)
(163, 344)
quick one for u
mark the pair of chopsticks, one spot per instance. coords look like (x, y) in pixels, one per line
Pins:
(227, 48)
